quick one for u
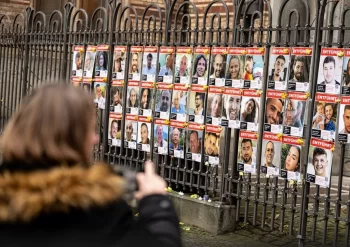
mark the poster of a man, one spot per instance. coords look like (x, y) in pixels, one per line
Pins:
(116, 98)
(179, 106)
(344, 120)
(166, 64)
(114, 131)
(194, 142)
(274, 111)
(119, 63)
(146, 95)
(144, 135)
(177, 141)
(133, 100)
(135, 63)
(130, 132)
(294, 114)
(161, 133)
(320, 162)
(231, 108)
(200, 65)
(100, 99)
(270, 159)
(78, 58)
(247, 148)
(330, 71)
(300, 65)
(212, 144)
(346, 73)
(150, 61)
(278, 68)
(90, 58)
(163, 103)
(218, 66)
(183, 65)
(196, 105)
(214, 106)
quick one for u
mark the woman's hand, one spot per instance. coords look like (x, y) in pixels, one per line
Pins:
(149, 182)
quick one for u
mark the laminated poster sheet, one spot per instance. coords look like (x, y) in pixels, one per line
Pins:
(218, 66)
(271, 154)
(278, 68)
(183, 65)
(247, 148)
(200, 70)
(161, 136)
(300, 67)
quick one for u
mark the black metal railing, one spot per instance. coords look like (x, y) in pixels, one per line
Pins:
(35, 49)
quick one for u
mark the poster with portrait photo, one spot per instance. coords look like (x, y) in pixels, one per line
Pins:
(271, 154)
(294, 114)
(235, 67)
(183, 65)
(179, 103)
(100, 95)
(291, 155)
(346, 73)
(89, 62)
(149, 66)
(212, 144)
(320, 162)
(324, 118)
(130, 140)
(200, 70)
(77, 61)
(274, 107)
(254, 68)
(144, 134)
(135, 63)
(278, 68)
(114, 130)
(344, 120)
(247, 148)
(330, 70)
(166, 64)
(177, 138)
(119, 62)
(195, 133)
(161, 136)
(132, 100)
(146, 99)
(116, 98)
(299, 67)
(218, 66)
(197, 104)
(250, 106)
(101, 64)
(214, 105)
(163, 101)
(231, 108)
(87, 86)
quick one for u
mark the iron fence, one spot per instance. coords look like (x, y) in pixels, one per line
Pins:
(35, 49)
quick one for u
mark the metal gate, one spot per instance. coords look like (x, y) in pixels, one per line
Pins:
(35, 49)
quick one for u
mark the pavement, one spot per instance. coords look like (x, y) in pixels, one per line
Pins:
(245, 236)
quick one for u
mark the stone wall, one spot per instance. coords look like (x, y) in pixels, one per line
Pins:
(13, 7)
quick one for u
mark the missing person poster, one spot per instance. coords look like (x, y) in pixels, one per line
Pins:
(218, 66)
(300, 67)
(212, 144)
(117, 99)
(166, 64)
(330, 70)
(197, 104)
(294, 114)
(291, 157)
(200, 69)
(100, 95)
(144, 134)
(89, 62)
(195, 136)
(163, 101)
(161, 136)
(130, 131)
(247, 148)
(183, 65)
(150, 61)
(146, 99)
(274, 107)
(235, 67)
(179, 103)
(135, 63)
(214, 105)
(177, 139)
(101, 64)
(250, 106)
(114, 129)
(320, 162)
(78, 58)
(278, 68)
(119, 62)
(346, 73)
(324, 119)
(271, 154)
(232, 108)
(132, 100)
(344, 120)
(254, 68)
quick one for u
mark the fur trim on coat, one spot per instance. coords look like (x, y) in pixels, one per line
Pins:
(24, 196)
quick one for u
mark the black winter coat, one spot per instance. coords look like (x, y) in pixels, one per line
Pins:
(75, 206)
